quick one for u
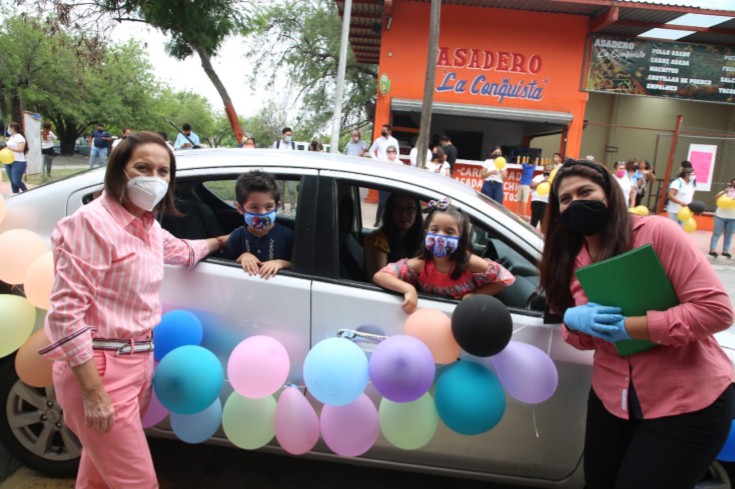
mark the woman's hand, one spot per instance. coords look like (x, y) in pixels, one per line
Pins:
(410, 300)
(590, 317)
(99, 414)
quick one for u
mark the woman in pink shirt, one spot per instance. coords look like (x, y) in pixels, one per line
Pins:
(109, 258)
(658, 418)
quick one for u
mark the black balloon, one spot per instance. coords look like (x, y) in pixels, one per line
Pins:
(482, 325)
(696, 206)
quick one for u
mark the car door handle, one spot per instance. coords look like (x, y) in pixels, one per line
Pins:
(359, 336)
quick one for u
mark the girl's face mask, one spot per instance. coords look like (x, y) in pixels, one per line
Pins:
(441, 245)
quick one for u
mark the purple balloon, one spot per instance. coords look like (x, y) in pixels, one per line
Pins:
(350, 430)
(296, 423)
(526, 372)
(402, 368)
(155, 412)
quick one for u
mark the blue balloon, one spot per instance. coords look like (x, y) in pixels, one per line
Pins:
(198, 427)
(336, 371)
(188, 379)
(177, 328)
(469, 398)
(727, 454)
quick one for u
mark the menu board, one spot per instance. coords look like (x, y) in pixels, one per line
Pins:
(661, 69)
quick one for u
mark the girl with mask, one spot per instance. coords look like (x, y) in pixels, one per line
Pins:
(624, 181)
(15, 170)
(680, 193)
(445, 265)
(109, 258)
(658, 418)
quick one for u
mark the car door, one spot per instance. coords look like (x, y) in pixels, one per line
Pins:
(532, 441)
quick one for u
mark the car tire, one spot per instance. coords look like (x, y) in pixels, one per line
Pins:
(32, 427)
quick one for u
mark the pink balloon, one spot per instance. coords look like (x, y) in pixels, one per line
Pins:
(258, 366)
(39, 279)
(3, 207)
(296, 423)
(434, 328)
(155, 413)
(350, 430)
(526, 372)
(18, 249)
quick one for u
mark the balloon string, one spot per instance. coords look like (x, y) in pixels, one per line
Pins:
(535, 426)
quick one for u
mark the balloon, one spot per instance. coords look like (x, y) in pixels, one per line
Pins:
(336, 371)
(690, 225)
(6, 156)
(552, 175)
(32, 368)
(258, 366)
(500, 162)
(697, 206)
(725, 202)
(155, 412)
(684, 214)
(18, 249)
(350, 430)
(727, 454)
(543, 188)
(39, 280)
(248, 423)
(482, 325)
(434, 328)
(526, 372)
(18, 316)
(402, 368)
(641, 210)
(296, 422)
(469, 398)
(177, 328)
(188, 379)
(3, 207)
(409, 425)
(197, 427)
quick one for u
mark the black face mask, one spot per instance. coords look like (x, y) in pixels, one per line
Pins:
(384, 134)
(586, 217)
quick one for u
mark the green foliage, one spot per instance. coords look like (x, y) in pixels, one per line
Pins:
(174, 108)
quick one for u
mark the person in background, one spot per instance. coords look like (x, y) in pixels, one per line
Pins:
(724, 223)
(413, 155)
(658, 418)
(356, 146)
(249, 143)
(391, 153)
(101, 331)
(100, 146)
(15, 170)
(644, 167)
(450, 150)
(439, 163)
(626, 185)
(286, 188)
(123, 134)
(556, 160)
(686, 164)
(379, 149)
(538, 201)
(680, 193)
(524, 187)
(186, 139)
(316, 146)
(48, 139)
(493, 185)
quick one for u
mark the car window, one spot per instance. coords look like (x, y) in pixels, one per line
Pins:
(288, 189)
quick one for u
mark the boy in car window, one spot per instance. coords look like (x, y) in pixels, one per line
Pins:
(262, 246)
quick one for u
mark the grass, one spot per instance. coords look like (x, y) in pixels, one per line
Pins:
(56, 174)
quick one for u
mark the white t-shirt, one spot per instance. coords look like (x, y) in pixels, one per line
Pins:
(489, 164)
(49, 141)
(441, 168)
(413, 156)
(626, 185)
(684, 192)
(535, 197)
(727, 213)
(381, 144)
(283, 145)
(13, 142)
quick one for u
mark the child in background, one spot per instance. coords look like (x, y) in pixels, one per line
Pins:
(445, 265)
(524, 189)
(262, 246)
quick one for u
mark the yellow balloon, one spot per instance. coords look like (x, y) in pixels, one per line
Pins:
(543, 188)
(632, 210)
(6, 156)
(732, 204)
(690, 225)
(725, 202)
(552, 174)
(642, 210)
(500, 162)
(684, 214)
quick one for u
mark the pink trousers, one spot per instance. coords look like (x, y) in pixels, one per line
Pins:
(120, 458)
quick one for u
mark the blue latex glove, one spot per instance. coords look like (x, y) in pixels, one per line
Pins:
(590, 316)
(613, 332)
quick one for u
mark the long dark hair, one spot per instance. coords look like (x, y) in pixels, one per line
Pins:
(407, 246)
(562, 245)
(461, 256)
(18, 129)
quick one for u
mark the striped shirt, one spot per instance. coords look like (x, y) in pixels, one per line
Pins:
(108, 272)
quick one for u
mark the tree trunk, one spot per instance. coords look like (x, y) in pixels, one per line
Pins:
(425, 126)
(17, 107)
(67, 133)
(229, 108)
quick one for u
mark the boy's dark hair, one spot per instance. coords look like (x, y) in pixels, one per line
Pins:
(186, 127)
(255, 181)
(445, 139)
(461, 257)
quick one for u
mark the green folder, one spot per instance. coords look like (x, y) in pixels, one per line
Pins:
(636, 282)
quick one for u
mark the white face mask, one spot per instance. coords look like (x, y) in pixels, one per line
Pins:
(146, 192)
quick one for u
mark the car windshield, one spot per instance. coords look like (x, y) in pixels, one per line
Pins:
(506, 211)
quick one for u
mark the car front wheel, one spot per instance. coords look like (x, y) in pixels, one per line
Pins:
(32, 426)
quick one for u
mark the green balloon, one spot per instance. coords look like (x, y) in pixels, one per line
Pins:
(409, 425)
(19, 316)
(248, 423)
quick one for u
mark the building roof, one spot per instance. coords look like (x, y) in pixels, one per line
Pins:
(625, 18)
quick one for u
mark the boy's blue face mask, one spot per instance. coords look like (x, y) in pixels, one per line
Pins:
(260, 222)
(440, 245)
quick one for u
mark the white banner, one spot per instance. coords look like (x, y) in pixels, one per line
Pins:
(703, 158)
(32, 131)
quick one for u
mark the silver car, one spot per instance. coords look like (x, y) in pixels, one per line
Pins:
(326, 291)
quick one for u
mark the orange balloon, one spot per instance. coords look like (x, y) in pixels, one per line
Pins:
(3, 207)
(32, 368)
(39, 280)
(434, 329)
(18, 249)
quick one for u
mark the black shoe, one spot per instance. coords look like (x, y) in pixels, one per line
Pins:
(726, 255)
(714, 254)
